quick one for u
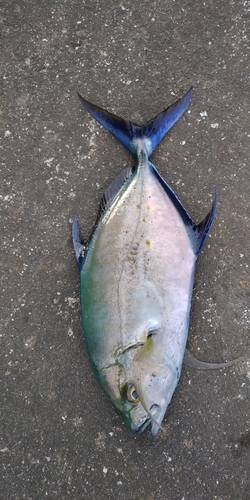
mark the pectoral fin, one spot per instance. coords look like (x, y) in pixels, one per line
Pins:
(192, 362)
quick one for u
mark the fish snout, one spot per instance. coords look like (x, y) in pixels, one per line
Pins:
(156, 413)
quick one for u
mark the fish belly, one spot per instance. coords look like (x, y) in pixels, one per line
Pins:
(138, 274)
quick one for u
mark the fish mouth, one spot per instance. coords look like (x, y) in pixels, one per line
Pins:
(139, 430)
(154, 428)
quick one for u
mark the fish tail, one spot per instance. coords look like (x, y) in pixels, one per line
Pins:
(136, 137)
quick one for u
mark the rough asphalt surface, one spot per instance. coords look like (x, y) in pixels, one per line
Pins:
(61, 436)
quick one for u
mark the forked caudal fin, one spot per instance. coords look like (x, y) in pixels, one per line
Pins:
(134, 136)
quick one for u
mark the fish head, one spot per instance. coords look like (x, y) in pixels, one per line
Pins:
(153, 377)
(141, 384)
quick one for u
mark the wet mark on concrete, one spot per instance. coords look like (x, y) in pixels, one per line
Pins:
(34, 256)
(242, 446)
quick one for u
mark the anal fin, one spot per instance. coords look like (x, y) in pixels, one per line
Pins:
(202, 229)
(197, 232)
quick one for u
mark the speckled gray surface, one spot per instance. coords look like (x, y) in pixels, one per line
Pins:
(61, 436)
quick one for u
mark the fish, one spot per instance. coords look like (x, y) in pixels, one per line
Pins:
(136, 276)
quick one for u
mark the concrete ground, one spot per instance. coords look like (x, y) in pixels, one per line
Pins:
(61, 436)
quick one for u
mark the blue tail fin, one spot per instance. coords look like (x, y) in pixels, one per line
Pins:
(134, 136)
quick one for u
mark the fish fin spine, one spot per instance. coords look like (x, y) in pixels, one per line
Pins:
(79, 246)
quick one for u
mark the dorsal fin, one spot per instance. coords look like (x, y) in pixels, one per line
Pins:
(114, 188)
(79, 246)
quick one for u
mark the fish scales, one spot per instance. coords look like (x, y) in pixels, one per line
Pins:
(139, 266)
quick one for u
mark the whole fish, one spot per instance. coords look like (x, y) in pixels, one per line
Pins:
(136, 276)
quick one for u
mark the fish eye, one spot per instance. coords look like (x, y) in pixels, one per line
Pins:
(132, 395)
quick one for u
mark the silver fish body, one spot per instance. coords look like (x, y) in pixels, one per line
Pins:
(136, 279)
